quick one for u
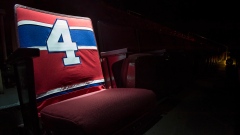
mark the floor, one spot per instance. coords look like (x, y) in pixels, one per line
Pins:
(208, 107)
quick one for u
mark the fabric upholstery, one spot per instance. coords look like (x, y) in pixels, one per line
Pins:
(105, 111)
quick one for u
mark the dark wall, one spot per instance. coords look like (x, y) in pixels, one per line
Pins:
(96, 10)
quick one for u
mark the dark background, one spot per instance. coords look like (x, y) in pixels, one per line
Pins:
(215, 20)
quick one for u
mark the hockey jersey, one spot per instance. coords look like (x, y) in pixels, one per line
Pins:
(69, 63)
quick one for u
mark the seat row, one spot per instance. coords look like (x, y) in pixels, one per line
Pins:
(71, 83)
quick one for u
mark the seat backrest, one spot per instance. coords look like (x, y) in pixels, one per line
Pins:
(69, 63)
(113, 37)
(149, 40)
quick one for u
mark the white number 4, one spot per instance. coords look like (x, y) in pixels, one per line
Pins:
(60, 30)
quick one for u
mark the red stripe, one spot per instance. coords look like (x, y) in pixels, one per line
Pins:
(27, 14)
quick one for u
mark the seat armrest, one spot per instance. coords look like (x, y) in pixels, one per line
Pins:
(21, 59)
(114, 52)
(108, 59)
(114, 67)
(22, 53)
(158, 52)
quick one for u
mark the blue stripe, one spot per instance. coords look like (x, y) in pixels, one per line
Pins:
(68, 91)
(34, 35)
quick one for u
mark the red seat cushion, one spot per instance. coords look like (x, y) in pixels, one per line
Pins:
(101, 112)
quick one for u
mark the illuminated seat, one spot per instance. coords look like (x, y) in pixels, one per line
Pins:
(60, 80)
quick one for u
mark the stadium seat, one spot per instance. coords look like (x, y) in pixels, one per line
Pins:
(60, 81)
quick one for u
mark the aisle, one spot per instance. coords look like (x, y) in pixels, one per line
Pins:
(209, 109)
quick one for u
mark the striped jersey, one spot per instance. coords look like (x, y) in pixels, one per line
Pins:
(69, 63)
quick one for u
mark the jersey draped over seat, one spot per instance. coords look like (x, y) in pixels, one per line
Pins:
(68, 62)
(68, 81)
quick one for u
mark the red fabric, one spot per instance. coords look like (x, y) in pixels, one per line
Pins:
(100, 113)
(50, 73)
(26, 14)
(41, 105)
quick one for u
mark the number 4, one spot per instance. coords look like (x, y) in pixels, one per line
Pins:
(61, 29)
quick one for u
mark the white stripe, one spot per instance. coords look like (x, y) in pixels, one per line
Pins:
(68, 88)
(27, 22)
(80, 28)
(24, 22)
(79, 47)
(39, 47)
(87, 47)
